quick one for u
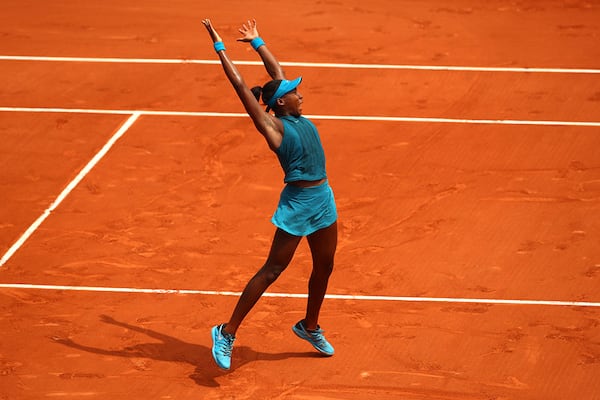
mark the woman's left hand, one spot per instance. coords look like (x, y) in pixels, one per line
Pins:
(249, 31)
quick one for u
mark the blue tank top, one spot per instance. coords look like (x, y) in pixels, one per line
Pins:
(301, 153)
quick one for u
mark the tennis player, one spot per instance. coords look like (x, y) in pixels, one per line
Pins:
(306, 206)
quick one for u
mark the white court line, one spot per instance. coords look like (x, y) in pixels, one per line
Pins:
(304, 64)
(69, 188)
(316, 117)
(302, 296)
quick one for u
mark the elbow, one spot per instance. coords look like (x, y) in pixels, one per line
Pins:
(277, 73)
(238, 82)
(233, 77)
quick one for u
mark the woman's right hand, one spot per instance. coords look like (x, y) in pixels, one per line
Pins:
(211, 30)
(249, 31)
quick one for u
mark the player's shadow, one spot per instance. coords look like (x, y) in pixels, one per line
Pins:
(172, 349)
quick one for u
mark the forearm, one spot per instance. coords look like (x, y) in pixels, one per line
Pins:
(251, 35)
(271, 64)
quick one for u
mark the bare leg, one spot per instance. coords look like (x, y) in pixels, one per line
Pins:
(282, 250)
(323, 244)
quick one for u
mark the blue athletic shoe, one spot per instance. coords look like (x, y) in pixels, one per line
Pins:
(222, 346)
(315, 338)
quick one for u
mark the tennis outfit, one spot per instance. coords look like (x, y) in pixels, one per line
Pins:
(303, 210)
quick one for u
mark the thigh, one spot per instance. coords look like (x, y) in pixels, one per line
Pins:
(283, 248)
(323, 244)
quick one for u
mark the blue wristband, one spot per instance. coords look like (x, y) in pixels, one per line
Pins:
(257, 42)
(219, 46)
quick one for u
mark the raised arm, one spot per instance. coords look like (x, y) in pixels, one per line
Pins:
(250, 32)
(269, 126)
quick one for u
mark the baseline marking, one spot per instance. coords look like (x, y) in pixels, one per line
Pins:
(305, 64)
(322, 117)
(69, 188)
(302, 296)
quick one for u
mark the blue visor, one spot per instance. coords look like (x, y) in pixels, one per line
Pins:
(285, 87)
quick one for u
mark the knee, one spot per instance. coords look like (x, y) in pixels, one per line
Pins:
(324, 268)
(329, 268)
(271, 272)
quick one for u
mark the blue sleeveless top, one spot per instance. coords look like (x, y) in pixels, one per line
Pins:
(301, 153)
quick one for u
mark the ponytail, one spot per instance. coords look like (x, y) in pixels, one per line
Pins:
(256, 91)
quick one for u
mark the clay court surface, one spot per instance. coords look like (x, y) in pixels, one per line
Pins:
(136, 198)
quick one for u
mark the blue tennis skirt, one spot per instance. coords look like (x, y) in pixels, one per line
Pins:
(302, 211)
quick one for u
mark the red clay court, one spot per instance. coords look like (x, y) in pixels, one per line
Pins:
(463, 146)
